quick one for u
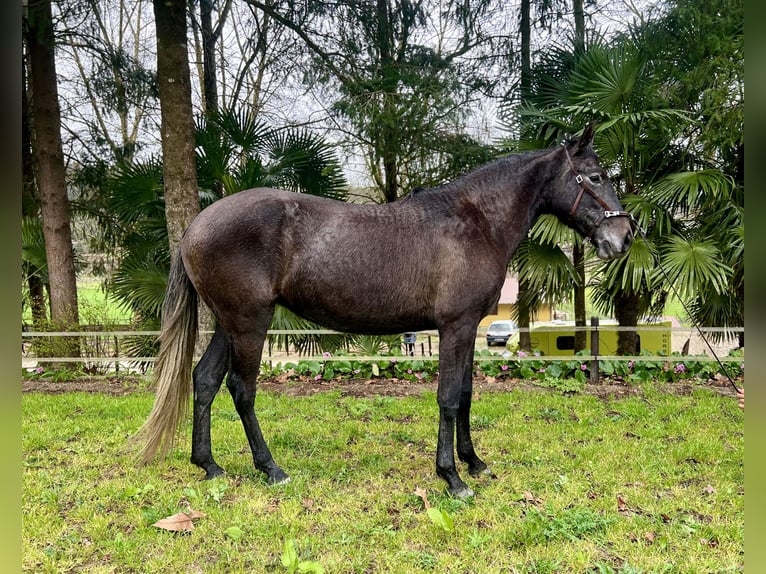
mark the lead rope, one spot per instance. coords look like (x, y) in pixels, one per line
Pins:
(656, 257)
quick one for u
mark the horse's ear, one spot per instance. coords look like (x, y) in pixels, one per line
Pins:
(586, 139)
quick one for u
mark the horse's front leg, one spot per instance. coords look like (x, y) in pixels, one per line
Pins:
(465, 449)
(455, 347)
(208, 376)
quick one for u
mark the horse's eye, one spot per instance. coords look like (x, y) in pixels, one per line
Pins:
(595, 177)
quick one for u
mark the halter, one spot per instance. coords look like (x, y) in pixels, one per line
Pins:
(585, 186)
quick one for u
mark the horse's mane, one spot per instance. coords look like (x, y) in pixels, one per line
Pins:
(476, 178)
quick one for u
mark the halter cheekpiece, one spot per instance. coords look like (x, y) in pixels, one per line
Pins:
(585, 186)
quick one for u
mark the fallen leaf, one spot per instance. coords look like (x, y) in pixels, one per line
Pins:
(622, 506)
(708, 490)
(530, 498)
(422, 494)
(181, 522)
(650, 537)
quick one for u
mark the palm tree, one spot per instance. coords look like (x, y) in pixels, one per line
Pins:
(641, 139)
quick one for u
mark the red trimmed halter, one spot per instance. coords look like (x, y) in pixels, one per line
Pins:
(585, 186)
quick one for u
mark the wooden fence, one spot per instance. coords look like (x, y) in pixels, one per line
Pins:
(103, 351)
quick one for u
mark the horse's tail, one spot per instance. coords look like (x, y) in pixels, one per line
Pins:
(173, 367)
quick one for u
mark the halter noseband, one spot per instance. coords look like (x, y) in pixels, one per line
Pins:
(585, 186)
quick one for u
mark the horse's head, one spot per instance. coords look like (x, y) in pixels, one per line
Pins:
(588, 202)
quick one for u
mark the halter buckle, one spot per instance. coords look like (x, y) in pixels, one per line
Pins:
(612, 213)
(579, 179)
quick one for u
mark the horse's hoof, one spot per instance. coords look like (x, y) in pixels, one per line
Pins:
(281, 482)
(479, 472)
(278, 478)
(214, 473)
(463, 493)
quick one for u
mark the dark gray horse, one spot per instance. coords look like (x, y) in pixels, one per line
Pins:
(436, 260)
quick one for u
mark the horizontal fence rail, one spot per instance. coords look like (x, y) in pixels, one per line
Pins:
(431, 354)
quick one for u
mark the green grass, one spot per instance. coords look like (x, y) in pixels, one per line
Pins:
(563, 465)
(94, 306)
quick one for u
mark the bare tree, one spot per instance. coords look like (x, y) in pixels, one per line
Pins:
(401, 73)
(109, 89)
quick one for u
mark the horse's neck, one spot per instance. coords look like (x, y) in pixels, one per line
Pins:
(512, 201)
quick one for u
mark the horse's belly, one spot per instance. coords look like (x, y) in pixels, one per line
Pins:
(359, 311)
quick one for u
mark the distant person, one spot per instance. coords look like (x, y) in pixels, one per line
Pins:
(741, 397)
(409, 344)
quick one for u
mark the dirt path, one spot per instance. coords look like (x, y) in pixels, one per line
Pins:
(124, 385)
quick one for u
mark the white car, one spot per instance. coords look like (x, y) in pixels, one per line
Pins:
(499, 332)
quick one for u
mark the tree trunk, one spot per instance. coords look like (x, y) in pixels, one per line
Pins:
(208, 57)
(578, 250)
(388, 140)
(578, 259)
(579, 20)
(525, 338)
(51, 175)
(179, 168)
(525, 29)
(627, 307)
(179, 162)
(30, 207)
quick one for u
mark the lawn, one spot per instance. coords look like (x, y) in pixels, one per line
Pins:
(95, 307)
(649, 483)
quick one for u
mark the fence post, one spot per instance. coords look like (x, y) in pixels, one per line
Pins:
(594, 350)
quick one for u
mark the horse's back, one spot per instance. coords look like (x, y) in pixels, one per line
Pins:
(362, 268)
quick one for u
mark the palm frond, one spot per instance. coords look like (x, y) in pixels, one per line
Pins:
(140, 286)
(648, 214)
(634, 272)
(546, 269)
(243, 129)
(694, 266)
(135, 192)
(301, 161)
(33, 243)
(286, 320)
(549, 229)
(691, 190)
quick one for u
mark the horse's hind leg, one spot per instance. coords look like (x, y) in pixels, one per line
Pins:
(465, 449)
(246, 357)
(455, 350)
(208, 376)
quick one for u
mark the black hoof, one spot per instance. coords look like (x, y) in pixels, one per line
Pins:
(478, 472)
(278, 477)
(214, 472)
(462, 492)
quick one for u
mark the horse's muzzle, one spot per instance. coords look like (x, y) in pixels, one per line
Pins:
(614, 240)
